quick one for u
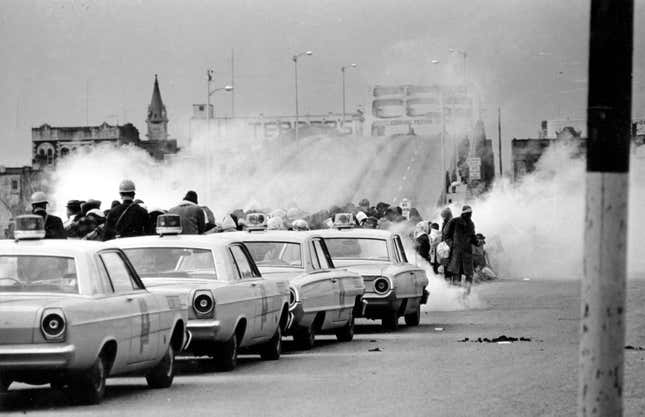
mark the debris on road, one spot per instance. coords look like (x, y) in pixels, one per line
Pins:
(630, 347)
(438, 329)
(503, 339)
(376, 349)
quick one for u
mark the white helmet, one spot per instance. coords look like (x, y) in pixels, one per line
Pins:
(300, 225)
(39, 197)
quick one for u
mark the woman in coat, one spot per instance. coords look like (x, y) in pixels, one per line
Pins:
(461, 232)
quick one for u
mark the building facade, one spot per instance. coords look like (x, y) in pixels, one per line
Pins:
(16, 186)
(50, 143)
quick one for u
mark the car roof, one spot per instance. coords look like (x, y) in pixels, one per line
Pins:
(275, 235)
(57, 247)
(171, 240)
(356, 232)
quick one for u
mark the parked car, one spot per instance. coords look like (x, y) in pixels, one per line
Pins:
(76, 312)
(232, 305)
(322, 298)
(393, 287)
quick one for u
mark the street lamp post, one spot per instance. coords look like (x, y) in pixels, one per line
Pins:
(295, 66)
(464, 55)
(342, 70)
(210, 73)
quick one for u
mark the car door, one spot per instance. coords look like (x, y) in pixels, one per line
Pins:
(255, 302)
(139, 307)
(331, 285)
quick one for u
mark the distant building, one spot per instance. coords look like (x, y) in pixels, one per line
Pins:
(16, 186)
(49, 143)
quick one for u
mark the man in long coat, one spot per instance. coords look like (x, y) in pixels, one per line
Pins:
(461, 233)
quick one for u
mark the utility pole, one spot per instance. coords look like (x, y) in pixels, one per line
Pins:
(342, 70)
(233, 84)
(295, 67)
(602, 332)
(209, 75)
(443, 148)
(499, 139)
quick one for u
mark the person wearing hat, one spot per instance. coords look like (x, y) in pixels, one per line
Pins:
(193, 219)
(90, 205)
(461, 232)
(96, 219)
(74, 213)
(54, 228)
(126, 219)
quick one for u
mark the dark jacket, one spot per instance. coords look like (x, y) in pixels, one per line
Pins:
(460, 232)
(423, 246)
(54, 228)
(192, 218)
(126, 220)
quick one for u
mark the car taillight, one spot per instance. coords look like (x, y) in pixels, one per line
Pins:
(381, 285)
(293, 297)
(53, 324)
(203, 302)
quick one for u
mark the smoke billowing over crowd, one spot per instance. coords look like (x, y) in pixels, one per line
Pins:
(534, 227)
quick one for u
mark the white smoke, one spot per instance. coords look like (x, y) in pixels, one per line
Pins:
(534, 228)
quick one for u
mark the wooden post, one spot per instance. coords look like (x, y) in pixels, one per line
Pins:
(605, 249)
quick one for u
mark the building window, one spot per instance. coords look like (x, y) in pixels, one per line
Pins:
(14, 185)
(50, 156)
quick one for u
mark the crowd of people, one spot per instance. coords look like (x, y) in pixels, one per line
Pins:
(452, 248)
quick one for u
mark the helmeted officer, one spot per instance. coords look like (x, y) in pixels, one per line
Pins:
(127, 218)
(53, 225)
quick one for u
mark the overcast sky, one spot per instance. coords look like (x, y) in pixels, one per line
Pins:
(527, 56)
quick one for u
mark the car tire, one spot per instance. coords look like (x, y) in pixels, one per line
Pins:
(346, 333)
(413, 319)
(89, 387)
(225, 358)
(305, 338)
(162, 375)
(271, 350)
(390, 320)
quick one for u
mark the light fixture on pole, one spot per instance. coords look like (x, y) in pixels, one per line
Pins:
(210, 74)
(464, 55)
(342, 70)
(295, 66)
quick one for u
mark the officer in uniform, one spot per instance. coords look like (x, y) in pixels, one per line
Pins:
(127, 218)
(53, 225)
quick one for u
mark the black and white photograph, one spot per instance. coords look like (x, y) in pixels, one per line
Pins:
(321, 208)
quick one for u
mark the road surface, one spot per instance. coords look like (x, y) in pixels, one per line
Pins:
(415, 372)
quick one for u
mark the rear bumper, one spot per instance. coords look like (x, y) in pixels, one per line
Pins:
(36, 356)
(203, 329)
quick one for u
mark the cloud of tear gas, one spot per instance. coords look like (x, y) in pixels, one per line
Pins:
(534, 228)
(314, 174)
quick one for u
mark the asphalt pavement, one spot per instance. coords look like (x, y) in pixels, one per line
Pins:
(422, 371)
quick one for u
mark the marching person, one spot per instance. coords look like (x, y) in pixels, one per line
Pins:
(54, 228)
(446, 215)
(461, 231)
(97, 219)
(435, 239)
(422, 241)
(193, 221)
(73, 214)
(126, 219)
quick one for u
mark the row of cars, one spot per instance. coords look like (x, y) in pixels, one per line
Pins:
(74, 312)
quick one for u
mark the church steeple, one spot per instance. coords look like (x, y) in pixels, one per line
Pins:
(157, 120)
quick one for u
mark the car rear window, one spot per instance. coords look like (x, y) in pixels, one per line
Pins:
(172, 262)
(275, 254)
(357, 248)
(36, 273)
